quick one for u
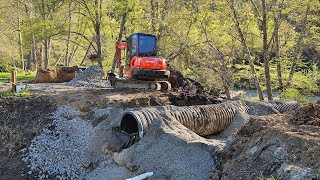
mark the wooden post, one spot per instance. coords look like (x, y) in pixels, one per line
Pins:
(14, 80)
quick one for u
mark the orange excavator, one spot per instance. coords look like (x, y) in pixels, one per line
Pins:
(138, 66)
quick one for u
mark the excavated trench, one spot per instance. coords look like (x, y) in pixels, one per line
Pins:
(203, 120)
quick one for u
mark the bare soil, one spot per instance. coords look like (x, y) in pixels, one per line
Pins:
(285, 146)
(307, 115)
(273, 146)
(21, 119)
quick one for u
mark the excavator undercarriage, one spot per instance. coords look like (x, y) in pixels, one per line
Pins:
(155, 85)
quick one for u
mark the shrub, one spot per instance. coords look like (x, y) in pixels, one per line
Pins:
(293, 94)
(5, 68)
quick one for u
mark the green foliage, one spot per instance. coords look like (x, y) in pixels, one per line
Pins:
(293, 94)
(5, 68)
(178, 26)
(23, 93)
(270, 178)
(307, 83)
(21, 76)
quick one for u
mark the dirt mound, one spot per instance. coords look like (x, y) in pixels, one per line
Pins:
(20, 120)
(307, 115)
(270, 147)
(182, 99)
(180, 83)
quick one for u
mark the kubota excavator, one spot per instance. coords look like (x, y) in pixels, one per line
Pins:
(138, 66)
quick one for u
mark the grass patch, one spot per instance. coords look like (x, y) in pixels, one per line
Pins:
(24, 76)
(9, 137)
(23, 93)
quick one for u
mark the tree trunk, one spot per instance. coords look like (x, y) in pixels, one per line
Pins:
(277, 50)
(99, 48)
(46, 52)
(98, 11)
(298, 47)
(153, 27)
(21, 56)
(73, 52)
(40, 57)
(122, 26)
(33, 56)
(266, 50)
(85, 56)
(66, 60)
(246, 48)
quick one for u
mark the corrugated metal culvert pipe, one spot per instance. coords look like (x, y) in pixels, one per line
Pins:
(284, 105)
(203, 120)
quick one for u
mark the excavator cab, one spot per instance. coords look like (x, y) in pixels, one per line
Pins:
(137, 58)
(142, 45)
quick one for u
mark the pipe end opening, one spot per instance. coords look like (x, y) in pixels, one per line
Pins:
(129, 123)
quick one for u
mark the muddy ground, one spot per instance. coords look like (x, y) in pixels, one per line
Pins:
(284, 146)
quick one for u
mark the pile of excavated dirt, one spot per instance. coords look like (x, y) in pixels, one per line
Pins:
(21, 119)
(182, 99)
(307, 115)
(180, 83)
(91, 77)
(271, 146)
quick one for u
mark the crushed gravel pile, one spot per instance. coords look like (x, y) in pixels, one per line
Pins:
(91, 77)
(62, 149)
(307, 115)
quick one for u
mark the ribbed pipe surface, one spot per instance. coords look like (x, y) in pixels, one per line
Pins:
(203, 120)
(284, 105)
